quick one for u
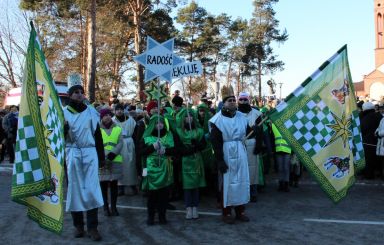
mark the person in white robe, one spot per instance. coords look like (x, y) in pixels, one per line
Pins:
(84, 153)
(129, 180)
(253, 117)
(228, 129)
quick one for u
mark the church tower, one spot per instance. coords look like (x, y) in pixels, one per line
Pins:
(373, 83)
(379, 32)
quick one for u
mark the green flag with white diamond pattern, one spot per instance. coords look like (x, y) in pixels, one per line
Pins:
(39, 152)
(321, 123)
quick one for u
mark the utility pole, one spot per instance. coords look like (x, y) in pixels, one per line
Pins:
(281, 84)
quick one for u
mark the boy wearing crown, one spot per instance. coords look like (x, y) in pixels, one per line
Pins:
(228, 129)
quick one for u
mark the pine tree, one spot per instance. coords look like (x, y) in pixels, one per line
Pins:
(263, 31)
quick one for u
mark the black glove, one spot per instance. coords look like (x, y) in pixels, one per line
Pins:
(111, 156)
(66, 128)
(222, 166)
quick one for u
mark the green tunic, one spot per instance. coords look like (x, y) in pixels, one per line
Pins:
(159, 168)
(193, 175)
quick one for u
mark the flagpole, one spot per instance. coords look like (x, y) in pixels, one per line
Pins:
(259, 124)
(158, 117)
(182, 83)
(158, 110)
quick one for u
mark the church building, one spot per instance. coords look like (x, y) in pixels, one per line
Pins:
(373, 83)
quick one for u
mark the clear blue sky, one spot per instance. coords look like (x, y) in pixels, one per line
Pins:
(317, 29)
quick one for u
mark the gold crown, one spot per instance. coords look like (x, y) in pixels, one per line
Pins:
(227, 91)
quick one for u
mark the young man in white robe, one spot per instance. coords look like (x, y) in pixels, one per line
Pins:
(229, 129)
(84, 155)
(253, 143)
(128, 183)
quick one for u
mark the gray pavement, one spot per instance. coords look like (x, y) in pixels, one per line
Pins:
(303, 216)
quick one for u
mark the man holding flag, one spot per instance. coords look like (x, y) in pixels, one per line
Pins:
(37, 179)
(84, 154)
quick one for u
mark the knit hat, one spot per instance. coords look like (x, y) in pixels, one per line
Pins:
(368, 106)
(119, 107)
(177, 101)
(152, 104)
(104, 112)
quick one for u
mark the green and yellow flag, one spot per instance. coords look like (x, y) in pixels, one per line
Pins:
(39, 153)
(321, 122)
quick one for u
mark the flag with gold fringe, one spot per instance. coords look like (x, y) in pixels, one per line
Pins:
(320, 121)
(39, 152)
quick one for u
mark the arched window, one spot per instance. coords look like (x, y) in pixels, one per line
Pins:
(379, 31)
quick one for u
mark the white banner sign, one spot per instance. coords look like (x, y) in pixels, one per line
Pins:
(187, 69)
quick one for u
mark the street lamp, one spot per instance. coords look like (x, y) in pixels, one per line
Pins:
(281, 84)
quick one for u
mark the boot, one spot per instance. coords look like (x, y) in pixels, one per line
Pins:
(291, 179)
(253, 198)
(228, 219)
(121, 190)
(107, 212)
(242, 217)
(281, 187)
(286, 186)
(162, 218)
(114, 211)
(151, 217)
(296, 181)
(104, 192)
(94, 235)
(114, 194)
(188, 214)
(195, 213)
(79, 232)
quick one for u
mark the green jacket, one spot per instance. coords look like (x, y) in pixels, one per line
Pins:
(159, 167)
(193, 175)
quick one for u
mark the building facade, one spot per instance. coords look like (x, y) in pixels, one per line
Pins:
(373, 83)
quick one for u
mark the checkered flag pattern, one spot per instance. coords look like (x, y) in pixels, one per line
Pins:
(308, 126)
(356, 142)
(55, 138)
(27, 168)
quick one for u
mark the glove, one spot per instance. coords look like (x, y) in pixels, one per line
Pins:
(161, 151)
(66, 127)
(222, 166)
(207, 136)
(156, 145)
(111, 156)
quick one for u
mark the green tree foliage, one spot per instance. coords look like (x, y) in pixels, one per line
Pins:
(237, 42)
(263, 31)
(240, 48)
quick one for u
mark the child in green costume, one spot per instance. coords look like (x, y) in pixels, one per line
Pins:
(158, 145)
(192, 137)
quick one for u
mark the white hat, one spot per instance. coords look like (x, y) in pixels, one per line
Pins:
(243, 95)
(368, 106)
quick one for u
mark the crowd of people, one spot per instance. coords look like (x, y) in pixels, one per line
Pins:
(173, 151)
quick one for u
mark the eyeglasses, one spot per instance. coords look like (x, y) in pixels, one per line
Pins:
(230, 100)
(243, 99)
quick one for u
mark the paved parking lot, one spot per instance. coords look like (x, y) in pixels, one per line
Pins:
(303, 216)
